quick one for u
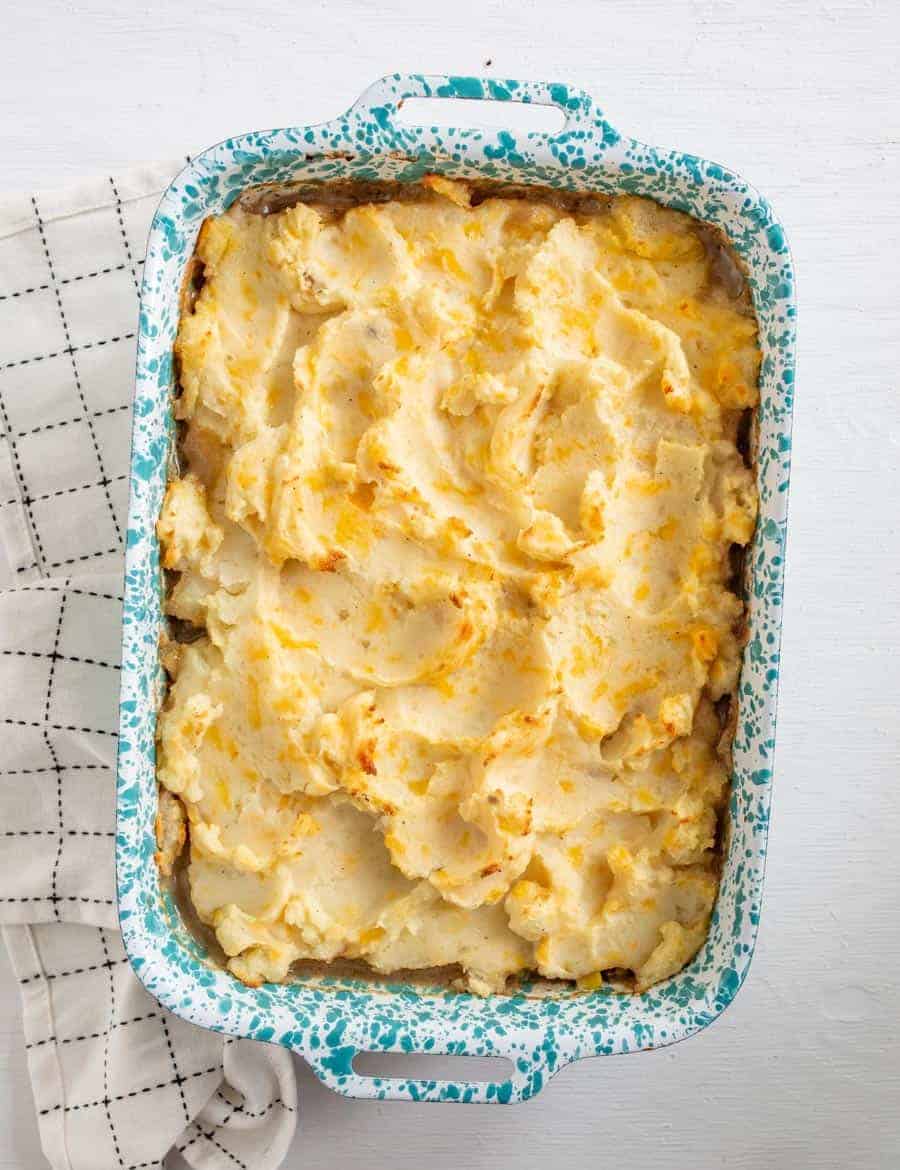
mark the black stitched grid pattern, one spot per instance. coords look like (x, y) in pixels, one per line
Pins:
(63, 437)
(58, 711)
(117, 1079)
(125, 1063)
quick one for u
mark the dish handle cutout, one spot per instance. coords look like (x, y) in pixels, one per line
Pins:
(398, 103)
(400, 1075)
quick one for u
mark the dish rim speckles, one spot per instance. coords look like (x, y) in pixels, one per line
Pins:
(328, 1020)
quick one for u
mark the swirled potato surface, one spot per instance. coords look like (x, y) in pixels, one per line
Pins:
(461, 489)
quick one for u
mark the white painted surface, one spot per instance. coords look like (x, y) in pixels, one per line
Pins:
(804, 100)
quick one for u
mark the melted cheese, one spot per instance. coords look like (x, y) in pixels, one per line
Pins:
(463, 483)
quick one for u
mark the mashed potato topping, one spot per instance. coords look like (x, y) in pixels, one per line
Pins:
(461, 487)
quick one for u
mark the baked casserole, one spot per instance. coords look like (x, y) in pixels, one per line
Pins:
(464, 475)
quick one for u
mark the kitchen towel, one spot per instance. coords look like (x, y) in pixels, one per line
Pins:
(118, 1081)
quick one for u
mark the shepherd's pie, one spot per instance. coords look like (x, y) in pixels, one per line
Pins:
(453, 570)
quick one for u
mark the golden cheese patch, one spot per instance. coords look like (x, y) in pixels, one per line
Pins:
(462, 485)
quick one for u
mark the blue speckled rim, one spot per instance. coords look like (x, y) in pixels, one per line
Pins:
(329, 1019)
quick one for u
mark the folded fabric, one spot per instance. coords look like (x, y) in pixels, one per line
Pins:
(118, 1081)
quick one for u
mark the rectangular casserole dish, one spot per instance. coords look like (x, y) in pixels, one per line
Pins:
(329, 1019)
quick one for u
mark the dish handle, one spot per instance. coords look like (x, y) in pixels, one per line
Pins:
(379, 104)
(333, 1066)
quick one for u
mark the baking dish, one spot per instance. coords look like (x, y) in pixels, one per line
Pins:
(329, 1019)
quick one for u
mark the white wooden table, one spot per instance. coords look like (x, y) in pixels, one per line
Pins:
(803, 99)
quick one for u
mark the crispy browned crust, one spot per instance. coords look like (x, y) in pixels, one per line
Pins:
(171, 831)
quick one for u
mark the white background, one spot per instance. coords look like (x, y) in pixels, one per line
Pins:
(804, 100)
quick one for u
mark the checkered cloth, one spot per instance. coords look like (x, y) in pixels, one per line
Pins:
(117, 1080)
